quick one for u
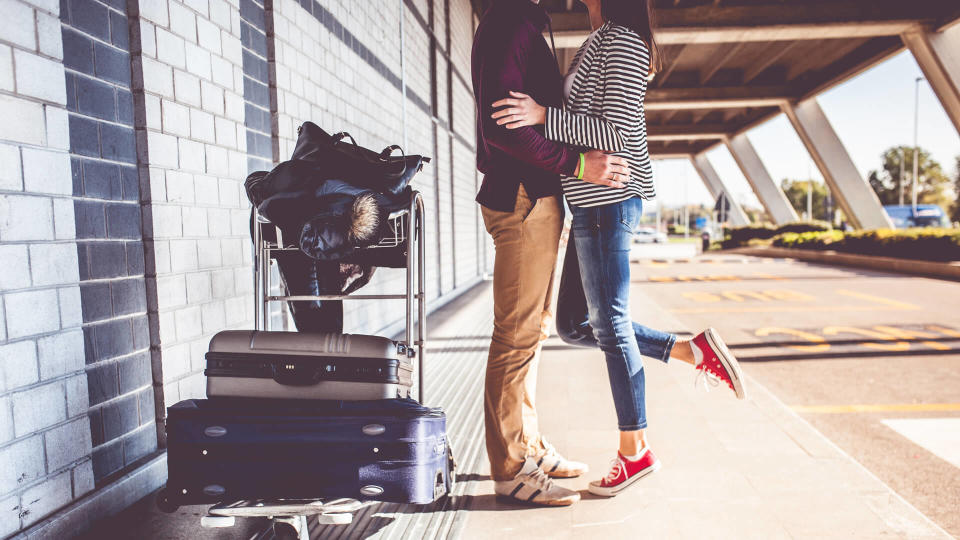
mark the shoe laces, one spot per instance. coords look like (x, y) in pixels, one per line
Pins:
(540, 479)
(706, 378)
(616, 468)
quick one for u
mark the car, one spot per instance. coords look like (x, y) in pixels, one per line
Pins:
(649, 235)
(926, 215)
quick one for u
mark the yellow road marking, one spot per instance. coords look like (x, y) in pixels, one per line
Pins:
(787, 309)
(878, 299)
(913, 334)
(689, 279)
(898, 346)
(894, 407)
(739, 296)
(944, 331)
(788, 295)
(821, 346)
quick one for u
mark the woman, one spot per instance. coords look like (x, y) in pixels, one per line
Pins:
(604, 91)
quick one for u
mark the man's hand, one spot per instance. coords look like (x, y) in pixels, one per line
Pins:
(520, 110)
(604, 169)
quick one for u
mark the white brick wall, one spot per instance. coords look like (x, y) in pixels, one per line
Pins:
(193, 151)
(44, 436)
(321, 80)
(194, 100)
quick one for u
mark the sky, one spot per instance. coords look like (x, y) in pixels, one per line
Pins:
(871, 113)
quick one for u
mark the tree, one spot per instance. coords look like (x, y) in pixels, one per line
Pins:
(796, 192)
(933, 186)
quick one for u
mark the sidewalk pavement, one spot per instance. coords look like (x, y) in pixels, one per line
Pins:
(731, 469)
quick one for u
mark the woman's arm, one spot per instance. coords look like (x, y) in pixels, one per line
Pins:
(622, 86)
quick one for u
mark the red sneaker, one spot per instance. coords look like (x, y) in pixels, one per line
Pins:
(624, 472)
(716, 362)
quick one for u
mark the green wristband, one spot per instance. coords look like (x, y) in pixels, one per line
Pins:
(580, 174)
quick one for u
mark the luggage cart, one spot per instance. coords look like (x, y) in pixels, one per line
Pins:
(401, 247)
(395, 250)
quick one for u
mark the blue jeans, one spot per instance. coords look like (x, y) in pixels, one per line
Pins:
(593, 308)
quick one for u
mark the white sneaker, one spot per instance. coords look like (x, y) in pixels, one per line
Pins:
(532, 485)
(557, 466)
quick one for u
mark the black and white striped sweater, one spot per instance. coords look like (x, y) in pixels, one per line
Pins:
(605, 111)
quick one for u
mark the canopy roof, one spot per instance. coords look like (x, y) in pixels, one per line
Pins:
(730, 64)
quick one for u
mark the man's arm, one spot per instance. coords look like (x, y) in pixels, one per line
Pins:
(503, 71)
(622, 88)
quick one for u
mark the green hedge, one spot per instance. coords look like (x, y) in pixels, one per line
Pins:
(741, 236)
(927, 244)
(804, 227)
(808, 240)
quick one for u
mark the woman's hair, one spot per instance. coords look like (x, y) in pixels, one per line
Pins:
(636, 15)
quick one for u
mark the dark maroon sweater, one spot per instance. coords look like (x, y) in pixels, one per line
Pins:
(509, 53)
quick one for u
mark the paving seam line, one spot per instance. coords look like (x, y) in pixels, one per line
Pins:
(755, 386)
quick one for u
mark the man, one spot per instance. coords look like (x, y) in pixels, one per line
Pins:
(523, 212)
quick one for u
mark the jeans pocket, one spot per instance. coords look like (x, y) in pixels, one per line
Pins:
(630, 212)
(583, 219)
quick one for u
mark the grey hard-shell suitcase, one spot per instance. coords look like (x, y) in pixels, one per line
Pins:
(295, 365)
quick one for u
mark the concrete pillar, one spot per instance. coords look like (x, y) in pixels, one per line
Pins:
(854, 195)
(715, 186)
(771, 196)
(938, 54)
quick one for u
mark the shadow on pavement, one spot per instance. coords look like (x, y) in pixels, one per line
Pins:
(489, 502)
(143, 520)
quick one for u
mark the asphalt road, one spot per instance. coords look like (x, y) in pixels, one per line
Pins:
(871, 359)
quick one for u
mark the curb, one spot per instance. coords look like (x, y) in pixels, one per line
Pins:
(939, 270)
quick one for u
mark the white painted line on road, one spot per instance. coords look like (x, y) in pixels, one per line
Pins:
(940, 436)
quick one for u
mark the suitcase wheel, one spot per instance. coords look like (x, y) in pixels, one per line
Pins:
(164, 503)
(451, 469)
(288, 529)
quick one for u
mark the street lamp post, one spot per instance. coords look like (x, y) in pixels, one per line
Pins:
(903, 171)
(916, 150)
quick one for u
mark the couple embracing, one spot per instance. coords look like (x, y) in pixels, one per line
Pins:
(542, 136)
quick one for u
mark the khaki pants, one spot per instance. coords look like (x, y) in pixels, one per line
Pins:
(526, 242)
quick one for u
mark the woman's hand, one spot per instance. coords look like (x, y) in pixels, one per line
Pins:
(520, 110)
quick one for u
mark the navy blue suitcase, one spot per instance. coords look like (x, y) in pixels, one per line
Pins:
(231, 449)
